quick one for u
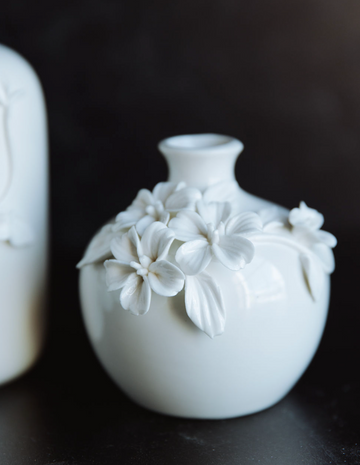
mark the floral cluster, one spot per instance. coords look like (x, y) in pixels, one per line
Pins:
(167, 238)
(305, 224)
(140, 238)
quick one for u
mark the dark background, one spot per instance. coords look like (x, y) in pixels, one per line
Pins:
(118, 76)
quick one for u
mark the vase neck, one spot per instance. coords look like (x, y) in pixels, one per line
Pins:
(201, 160)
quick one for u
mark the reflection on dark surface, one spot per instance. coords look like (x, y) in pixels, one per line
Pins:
(68, 412)
(20, 423)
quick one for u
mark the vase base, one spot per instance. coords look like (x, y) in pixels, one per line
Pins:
(210, 416)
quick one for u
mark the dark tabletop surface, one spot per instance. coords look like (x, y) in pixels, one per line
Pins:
(66, 411)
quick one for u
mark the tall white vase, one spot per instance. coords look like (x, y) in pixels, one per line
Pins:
(23, 214)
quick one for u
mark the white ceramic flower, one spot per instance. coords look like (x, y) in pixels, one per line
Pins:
(306, 223)
(148, 207)
(15, 230)
(99, 247)
(212, 232)
(140, 266)
(306, 217)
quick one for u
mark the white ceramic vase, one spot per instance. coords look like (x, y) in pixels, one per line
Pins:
(23, 215)
(226, 294)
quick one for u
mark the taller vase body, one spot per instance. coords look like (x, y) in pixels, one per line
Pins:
(273, 323)
(23, 215)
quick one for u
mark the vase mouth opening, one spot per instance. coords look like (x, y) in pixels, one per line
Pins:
(200, 144)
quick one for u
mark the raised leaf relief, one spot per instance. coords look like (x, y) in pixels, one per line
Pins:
(226, 191)
(212, 232)
(13, 228)
(148, 207)
(204, 304)
(274, 218)
(314, 274)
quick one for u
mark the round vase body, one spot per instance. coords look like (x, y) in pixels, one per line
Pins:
(273, 325)
(23, 215)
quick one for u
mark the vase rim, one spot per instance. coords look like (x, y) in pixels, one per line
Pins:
(200, 144)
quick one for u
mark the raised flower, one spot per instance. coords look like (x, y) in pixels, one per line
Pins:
(148, 207)
(305, 217)
(305, 226)
(224, 191)
(140, 266)
(306, 223)
(213, 233)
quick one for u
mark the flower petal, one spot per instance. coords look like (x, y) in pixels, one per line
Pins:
(326, 238)
(128, 218)
(305, 216)
(157, 240)
(214, 212)
(163, 190)
(142, 200)
(165, 278)
(117, 274)
(126, 248)
(143, 223)
(136, 295)
(204, 304)
(234, 252)
(314, 274)
(164, 217)
(194, 256)
(224, 191)
(325, 255)
(183, 199)
(246, 224)
(188, 226)
(99, 247)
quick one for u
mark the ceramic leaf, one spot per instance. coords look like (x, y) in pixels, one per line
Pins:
(204, 304)
(314, 274)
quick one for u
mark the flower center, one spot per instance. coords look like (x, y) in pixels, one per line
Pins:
(213, 235)
(142, 268)
(155, 210)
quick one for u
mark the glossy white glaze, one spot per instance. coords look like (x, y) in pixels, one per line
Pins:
(23, 214)
(267, 320)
